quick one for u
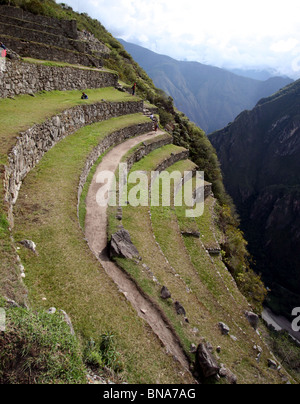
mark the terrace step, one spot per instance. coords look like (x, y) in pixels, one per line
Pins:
(46, 38)
(79, 284)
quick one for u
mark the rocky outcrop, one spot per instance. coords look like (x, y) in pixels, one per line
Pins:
(27, 78)
(253, 319)
(259, 154)
(206, 364)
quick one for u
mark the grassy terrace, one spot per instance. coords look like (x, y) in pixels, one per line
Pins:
(65, 64)
(66, 273)
(24, 111)
(181, 264)
(17, 115)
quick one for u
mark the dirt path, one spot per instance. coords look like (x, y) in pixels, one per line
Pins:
(96, 235)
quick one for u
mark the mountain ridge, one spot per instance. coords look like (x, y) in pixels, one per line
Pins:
(210, 96)
(259, 158)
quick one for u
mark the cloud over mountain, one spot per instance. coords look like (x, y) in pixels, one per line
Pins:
(231, 34)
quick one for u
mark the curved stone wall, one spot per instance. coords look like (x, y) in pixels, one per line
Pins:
(36, 141)
(112, 140)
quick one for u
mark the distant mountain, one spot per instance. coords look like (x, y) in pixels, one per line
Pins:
(209, 96)
(259, 153)
(256, 74)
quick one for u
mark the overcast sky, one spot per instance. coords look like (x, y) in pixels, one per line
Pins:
(223, 33)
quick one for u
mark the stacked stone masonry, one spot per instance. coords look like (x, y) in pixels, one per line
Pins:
(49, 52)
(47, 38)
(35, 142)
(66, 28)
(146, 148)
(5, 19)
(112, 140)
(25, 78)
(28, 34)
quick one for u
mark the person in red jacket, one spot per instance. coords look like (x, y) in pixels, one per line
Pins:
(3, 50)
(133, 89)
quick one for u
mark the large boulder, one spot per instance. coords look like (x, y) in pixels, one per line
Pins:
(224, 328)
(253, 319)
(206, 364)
(122, 246)
(165, 293)
(179, 309)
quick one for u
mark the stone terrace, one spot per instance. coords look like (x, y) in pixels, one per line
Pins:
(46, 38)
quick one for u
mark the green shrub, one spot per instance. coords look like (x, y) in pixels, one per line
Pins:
(38, 348)
(103, 353)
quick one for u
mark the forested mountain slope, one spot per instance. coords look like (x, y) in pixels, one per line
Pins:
(259, 154)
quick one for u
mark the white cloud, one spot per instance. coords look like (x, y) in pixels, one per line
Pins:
(231, 33)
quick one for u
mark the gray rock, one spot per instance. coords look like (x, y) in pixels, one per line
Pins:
(122, 246)
(30, 245)
(230, 377)
(224, 328)
(253, 319)
(165, 293)
(193, 348)
(206, 363)
(272, 364)
(179, 309)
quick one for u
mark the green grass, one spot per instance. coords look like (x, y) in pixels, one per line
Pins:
(18, 115)
(65, 64)
(38, 348)
(67, 274)
(212, 298)
(24, 111)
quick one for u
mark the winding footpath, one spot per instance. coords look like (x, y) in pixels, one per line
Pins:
(96, 235)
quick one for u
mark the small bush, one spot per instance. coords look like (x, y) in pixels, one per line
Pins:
(102, 353)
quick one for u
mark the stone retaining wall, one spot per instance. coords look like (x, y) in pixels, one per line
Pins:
(25, 78)
(5, 19)
(35, 142)
(111, 140)
(63, 27)
(174, 158)
(147, 148)
(50, 52)
(28, 34)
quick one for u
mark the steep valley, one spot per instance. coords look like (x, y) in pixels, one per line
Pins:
(259, 154)
(122, 294)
